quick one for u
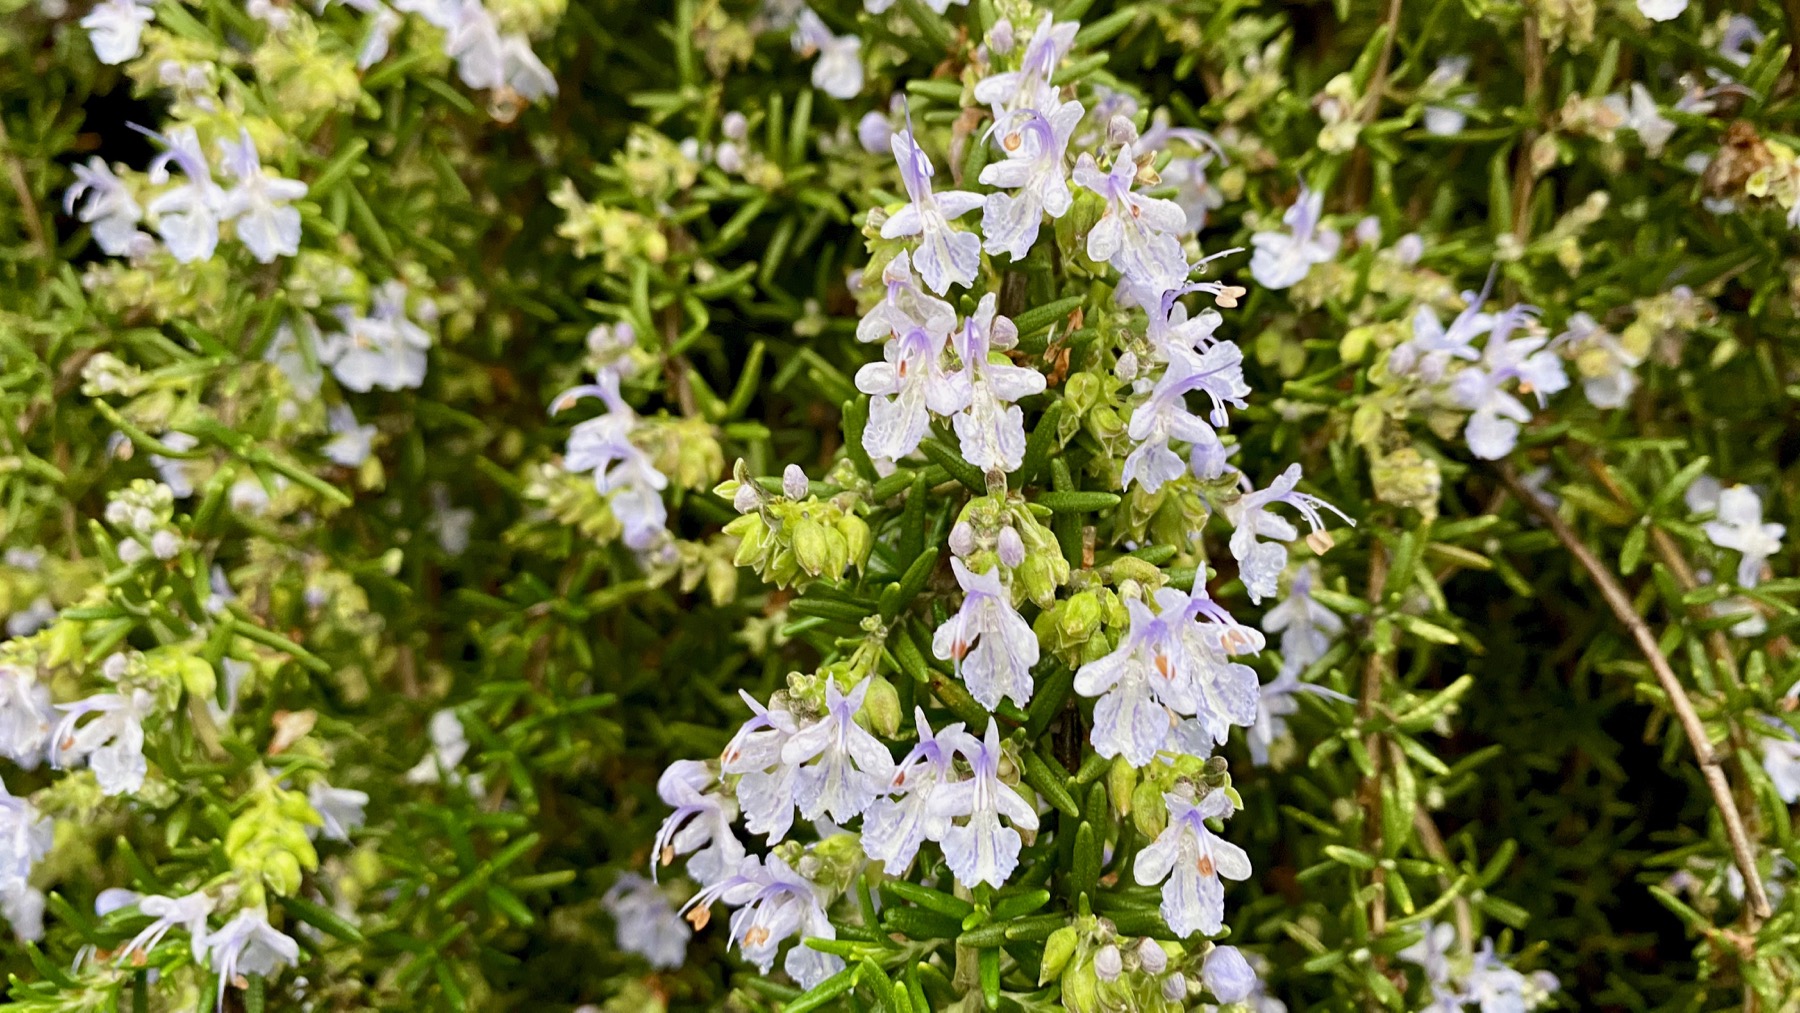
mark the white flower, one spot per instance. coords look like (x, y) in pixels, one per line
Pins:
(1739, 526)
(112, 743)
(351, 442)
(116, 28)
(1638, 112)
(25, 715)
(249, 945)
(449, 744)
(385, 349)
(990, 430)
(523, 71)
(341, 809)
(839, 72)
(108, 207)
(1282, 259)
(189, 912)
(187, 215)
(1661, 10)
(25, 837)
(259, 205)
(646, 922)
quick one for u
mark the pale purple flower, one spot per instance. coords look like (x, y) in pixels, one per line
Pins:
(981, 850)
(1781, 760)
(449, 744)
(351, 441)
(1739, 526)
(1307, 628)
(340, 809)
(1449, 74)
(1035, 145)
(621, 469)
(188, 912)
(646, 922)
(1193, 860)
(260, 203)
(765, 792)
(249, 945)
(522, 70)
(1495, 987)
(1260, 563)
(839, 72)
(1187, 172)
(187, 215)
(990, 430)
(944, 256)
(1218, 372)
(1432, 952)
(1227, 974)
(1170, 664)
(1029, 87)
(1136, 234)
(912, 381)
(106, 206)
(874, 132)
(893, 828)
(991, 645)
(773, 903)
(1282, 259)
(700, 824)
(112, 743)
(1495, 414)
(1433, 345)
(25, 837)
(116, 29)
(25, 714)
(1637, 111)
(846, 768)
(1614, 387)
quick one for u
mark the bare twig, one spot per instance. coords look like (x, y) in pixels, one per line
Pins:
(1374, 671)
(15, 172)
(1434, 846)
(1711, 766)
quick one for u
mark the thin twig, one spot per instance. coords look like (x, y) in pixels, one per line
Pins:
(1711, 767)
(34, 223)
(1434, 846)
(1524, 176)
(1374, 670)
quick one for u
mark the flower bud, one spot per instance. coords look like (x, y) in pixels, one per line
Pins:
(812, 550)
(1228, 975)
(793, 482)
(1174, 988)
(165, 544)
(1057, 951)
(1120, 130)
(745, 499)
(1108, 963)
(882, 705)
(962, 539)
(1012, 547)
(1152, 956)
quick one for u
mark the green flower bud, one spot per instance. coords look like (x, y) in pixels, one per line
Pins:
(1148, 813)
(811, 548)
(1057, 951)
(1121, 784)
(882, 706)
(856, 535)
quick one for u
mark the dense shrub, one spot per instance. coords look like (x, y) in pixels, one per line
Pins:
(858, 504)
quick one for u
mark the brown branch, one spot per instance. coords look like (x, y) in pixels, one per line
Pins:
(1374, 671)
(1711, 766)
(1434, 846)
(1524, 176)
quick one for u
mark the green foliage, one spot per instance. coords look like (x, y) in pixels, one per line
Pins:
(460, 623)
